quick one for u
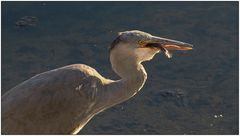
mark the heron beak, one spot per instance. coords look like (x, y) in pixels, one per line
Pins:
(166, 45)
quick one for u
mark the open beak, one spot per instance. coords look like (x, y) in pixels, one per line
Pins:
(166, 45)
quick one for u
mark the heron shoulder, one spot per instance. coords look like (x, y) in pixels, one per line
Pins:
(62, 93)
(66, 74)
(87, 71)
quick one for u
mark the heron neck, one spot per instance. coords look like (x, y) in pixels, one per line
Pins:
(121, 90)
(134, 78)
(132, 73)
(134, 81)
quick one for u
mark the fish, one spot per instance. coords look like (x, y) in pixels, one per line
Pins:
(166, 52)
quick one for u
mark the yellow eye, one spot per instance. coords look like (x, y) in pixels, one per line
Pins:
(141, 42)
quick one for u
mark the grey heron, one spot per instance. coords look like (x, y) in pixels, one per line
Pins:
(63, 100)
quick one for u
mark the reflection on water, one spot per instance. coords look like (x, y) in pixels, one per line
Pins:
(193, 93)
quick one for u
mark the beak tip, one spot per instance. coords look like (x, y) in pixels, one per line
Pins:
(190, 45)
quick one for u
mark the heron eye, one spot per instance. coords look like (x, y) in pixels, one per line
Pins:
(141, 42)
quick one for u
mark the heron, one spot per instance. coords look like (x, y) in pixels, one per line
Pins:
(64, 100)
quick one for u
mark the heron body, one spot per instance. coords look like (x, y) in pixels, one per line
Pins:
(63, 100)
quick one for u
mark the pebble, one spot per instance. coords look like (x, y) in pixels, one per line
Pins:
(218, 116)
(26, 21)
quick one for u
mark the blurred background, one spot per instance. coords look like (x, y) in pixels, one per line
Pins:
(195, 92)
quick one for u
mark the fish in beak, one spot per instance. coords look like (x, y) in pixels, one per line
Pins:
(166, 45)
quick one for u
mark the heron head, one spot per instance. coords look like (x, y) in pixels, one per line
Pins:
(142, 46)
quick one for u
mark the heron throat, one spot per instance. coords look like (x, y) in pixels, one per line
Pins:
(132, 73)
(133, 77)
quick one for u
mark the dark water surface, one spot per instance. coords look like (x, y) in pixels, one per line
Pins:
(193, 93)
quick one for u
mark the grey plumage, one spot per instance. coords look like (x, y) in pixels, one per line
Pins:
(63, 100)
(50, 98)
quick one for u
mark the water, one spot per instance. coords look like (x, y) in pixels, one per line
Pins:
(183, 95)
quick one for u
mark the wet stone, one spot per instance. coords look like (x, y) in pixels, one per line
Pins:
(172, 93)
(175, 95)
(26, 21)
